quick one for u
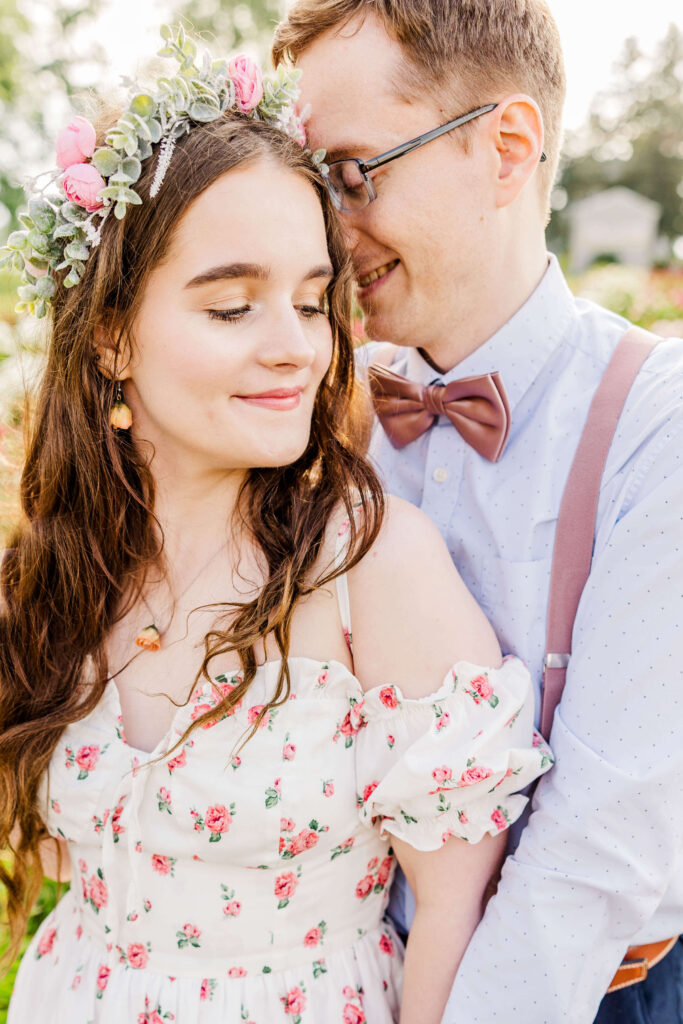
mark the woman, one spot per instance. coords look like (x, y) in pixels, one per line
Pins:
(183, 707)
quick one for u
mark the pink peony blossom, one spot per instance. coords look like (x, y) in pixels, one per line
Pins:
(75, 143)
(82, 182)
(245, 75)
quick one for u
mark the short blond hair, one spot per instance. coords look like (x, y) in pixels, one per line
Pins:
(473, 49)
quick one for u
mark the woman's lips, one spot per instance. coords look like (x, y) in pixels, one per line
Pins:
(373, 279)
(281, 399)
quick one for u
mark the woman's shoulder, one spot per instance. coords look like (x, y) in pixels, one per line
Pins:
(411, 613)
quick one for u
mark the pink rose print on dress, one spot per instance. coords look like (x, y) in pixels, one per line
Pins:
(328, 787)
(353, 1010)
(97, 891)
(365, 887)
(232, 906)
(189, 935)
(135, 955)
(217, 820)
(99, 823)
(474, 774)
(388, 697)
(266, 722)
(500, 818)
(237, 972)
(102, 979)
(386, 945)
(294, 1003)
(384, 871)
(163, 865)
(158, 1016)
(344, 847)
(369, 790)
(245, 75)
(85, 759)
(288, 752)
(482, 690)
(290, 846)
(207, 990)
(116, 827)
(179, 761)
(322, 678)
(352, 722)
(443, 718)
(285, 887)
(75, 143)
(164, 800)
(315, 936)
(273, 794)
(47, 941)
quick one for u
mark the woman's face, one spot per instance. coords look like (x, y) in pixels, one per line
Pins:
(232, 340)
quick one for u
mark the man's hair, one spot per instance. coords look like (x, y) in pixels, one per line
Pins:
(470, 52)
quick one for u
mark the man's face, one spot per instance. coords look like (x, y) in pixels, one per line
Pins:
(419, 248)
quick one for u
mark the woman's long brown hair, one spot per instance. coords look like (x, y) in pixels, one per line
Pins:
(77, 560)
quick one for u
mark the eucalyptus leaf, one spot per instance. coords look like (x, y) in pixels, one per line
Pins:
(26, 220)
(144, 150)
(77, 251)
(155, 130)
(106, 161)
(27, 292)
(65, 231)
(71, 279)
(130, 146)
(201, 111)
(120, 211)
(18, 240)
(143, 105)
(166, 32)
(46, 287)
(40, 309)
(39, 242)
(17, 261)
(44, 216)
(73, 213)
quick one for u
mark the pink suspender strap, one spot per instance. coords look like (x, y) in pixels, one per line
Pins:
(574, 536)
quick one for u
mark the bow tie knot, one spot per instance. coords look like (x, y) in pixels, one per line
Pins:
(477, 407)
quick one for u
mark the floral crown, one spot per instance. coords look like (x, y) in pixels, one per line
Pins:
(63, 224)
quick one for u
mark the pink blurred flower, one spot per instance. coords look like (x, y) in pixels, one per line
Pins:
(75, 143)
(245, 75)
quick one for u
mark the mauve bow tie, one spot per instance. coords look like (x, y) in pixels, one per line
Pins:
(477, 407)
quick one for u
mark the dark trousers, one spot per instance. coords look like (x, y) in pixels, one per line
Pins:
(657, 1000)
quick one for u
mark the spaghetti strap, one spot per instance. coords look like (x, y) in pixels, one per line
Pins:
(342, 584)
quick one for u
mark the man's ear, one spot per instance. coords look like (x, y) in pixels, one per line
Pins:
(518, 136)
(113, 360)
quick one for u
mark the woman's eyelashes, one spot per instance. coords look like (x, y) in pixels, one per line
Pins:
(237, 313)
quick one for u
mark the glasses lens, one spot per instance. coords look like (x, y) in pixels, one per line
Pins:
(345, 179)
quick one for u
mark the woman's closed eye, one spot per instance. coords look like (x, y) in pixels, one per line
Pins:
(237, 313)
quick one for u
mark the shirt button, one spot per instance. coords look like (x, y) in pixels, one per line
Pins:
(441, 475)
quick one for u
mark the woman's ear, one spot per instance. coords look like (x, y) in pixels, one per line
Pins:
(519, 143)
(112, 359)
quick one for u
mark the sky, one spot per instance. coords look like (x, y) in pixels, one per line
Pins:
(593, 33)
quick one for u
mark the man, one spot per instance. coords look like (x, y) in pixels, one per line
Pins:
(447, 240)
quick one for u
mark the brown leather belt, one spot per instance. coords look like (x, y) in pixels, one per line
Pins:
(638, 961)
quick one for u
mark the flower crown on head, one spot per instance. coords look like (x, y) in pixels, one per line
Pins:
(63, 226)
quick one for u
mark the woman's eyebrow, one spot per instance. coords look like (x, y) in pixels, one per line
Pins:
(256, 271)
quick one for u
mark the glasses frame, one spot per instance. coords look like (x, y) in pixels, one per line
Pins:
(365, 166)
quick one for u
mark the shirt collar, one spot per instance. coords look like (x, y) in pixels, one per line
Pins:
(520, 348)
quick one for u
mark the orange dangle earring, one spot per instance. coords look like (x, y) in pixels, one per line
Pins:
(120, 417)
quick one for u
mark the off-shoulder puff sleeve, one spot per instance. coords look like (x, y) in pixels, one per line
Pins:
(452, 763)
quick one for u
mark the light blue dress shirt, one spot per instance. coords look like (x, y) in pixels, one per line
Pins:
(599, 865)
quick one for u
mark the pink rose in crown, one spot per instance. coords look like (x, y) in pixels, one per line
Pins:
(245, 75)
(472, 775)
(75, 143)
(81, 183)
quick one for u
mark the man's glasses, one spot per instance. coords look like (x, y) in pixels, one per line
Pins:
(349, 182)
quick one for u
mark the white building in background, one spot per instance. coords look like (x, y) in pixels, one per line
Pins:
(617, 222)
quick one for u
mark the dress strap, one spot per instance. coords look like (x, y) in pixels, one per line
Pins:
(342, 583)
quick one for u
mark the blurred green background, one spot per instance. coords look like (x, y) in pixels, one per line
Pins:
(631, 144)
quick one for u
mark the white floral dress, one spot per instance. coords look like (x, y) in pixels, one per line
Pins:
(217, 887)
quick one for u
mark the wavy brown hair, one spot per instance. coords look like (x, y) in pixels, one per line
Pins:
(78, 559)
